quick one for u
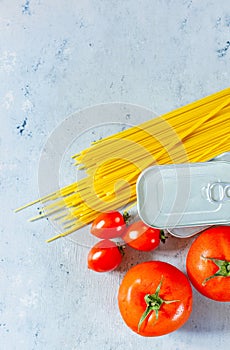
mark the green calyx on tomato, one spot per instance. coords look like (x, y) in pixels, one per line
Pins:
(121, 248)
(163, 237)
(126, 217)
(154, 303)
(224, 268)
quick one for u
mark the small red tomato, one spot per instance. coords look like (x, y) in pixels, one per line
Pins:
(104, 256)
(142, 237)
(109, 225)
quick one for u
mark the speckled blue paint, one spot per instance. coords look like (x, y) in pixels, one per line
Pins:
(36, 65)
(61, 51)
(26, 8)
(227, 20)
(184, 23)
(26, 90)
(222, 52)
(22, 127)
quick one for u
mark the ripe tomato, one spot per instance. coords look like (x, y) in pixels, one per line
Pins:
(109, 225)
(208, 263)
(155, 298)
(104, 256)
(142, 237)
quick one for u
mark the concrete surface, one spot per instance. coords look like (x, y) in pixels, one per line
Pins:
(56, 58)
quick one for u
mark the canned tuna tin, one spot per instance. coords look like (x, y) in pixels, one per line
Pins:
(185, 198)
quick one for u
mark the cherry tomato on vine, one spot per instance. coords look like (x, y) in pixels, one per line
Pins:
(155, 298)
(208, 263)
(109, 225)
(143, 237)
(105, 256)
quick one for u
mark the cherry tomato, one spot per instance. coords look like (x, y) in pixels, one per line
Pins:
(208, 263)
(155, 298)
(142, 237)
(104, 256)
(109, 225)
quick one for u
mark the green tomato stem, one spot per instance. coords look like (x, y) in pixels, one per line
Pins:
(121, 248)
(154, 303)
(163, 237)
(126, 217)
(223, 271)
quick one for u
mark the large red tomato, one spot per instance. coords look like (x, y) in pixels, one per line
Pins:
(208, 263)
(155, 298)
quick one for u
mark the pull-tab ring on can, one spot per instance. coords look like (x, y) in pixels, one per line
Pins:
(219, 192)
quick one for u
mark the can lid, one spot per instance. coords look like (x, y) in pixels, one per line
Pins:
(185, 195)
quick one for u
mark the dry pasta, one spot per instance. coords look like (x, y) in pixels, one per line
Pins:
(196, 132)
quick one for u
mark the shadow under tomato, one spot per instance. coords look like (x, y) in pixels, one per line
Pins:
(175, 244)
(133, 257)
(174, 251)
(207, 315)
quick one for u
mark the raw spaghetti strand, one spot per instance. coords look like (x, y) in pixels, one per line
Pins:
(196, 132)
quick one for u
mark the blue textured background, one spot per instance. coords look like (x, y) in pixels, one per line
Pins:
(57, 57)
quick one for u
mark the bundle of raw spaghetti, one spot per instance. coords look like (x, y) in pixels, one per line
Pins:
(196, 132)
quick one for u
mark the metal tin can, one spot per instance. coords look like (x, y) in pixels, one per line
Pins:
(185, 198)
